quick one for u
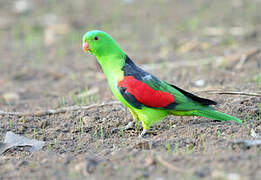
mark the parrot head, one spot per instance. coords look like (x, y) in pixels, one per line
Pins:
(99, 43)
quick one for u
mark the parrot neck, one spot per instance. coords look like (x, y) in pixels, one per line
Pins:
(112, 67)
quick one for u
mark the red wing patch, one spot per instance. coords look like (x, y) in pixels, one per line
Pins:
(145, 94)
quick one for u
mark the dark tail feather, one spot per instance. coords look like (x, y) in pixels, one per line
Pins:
(216, 115)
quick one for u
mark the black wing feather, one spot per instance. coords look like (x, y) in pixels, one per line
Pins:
(202, 101)
(130, 98)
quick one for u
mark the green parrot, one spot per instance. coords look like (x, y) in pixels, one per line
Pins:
(148, 98)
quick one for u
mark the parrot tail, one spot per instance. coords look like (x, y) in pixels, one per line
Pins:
(216, 115)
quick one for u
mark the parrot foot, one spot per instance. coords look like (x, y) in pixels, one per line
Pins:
(130, 125)
(144, 131)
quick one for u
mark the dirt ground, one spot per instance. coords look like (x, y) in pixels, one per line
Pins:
(196, 45)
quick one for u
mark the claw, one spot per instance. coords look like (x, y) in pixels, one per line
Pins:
(130, 125)
(144, 131)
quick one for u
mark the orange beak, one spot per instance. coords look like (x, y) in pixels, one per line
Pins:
(85, 47)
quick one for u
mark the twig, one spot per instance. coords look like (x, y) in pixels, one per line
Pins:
(58, 111)
(232, 93)
(169, 165)
(239, 59)
(245, 57)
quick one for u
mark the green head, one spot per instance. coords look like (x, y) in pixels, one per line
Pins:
(100, 44)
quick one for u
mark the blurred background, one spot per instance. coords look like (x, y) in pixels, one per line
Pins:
(40, 44)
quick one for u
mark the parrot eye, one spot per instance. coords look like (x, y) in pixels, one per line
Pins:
(96, 38)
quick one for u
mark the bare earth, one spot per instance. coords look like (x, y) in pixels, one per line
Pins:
(198, 46)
